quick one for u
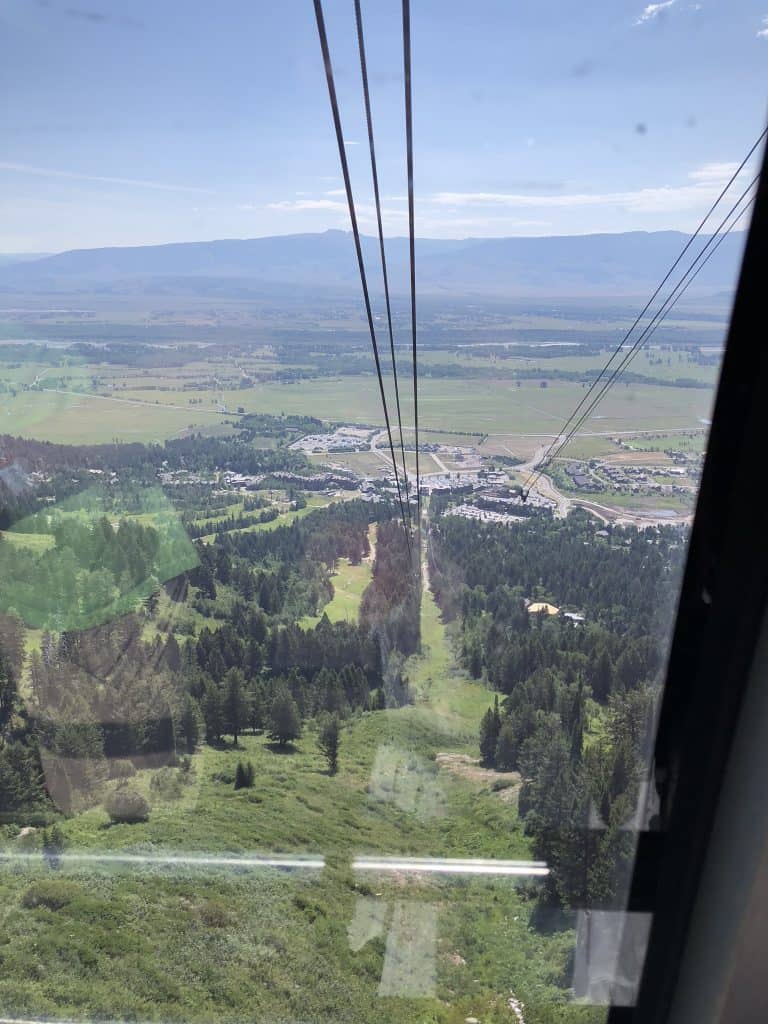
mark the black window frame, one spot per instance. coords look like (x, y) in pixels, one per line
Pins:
(721, 606)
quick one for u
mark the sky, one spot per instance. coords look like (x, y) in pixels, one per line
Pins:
(144, 122)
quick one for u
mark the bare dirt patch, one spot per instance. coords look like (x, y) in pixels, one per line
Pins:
(506, 785)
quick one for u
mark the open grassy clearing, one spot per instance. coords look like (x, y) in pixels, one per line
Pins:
(283, 519)
(349, 582)
(34, 541)
(447, 698)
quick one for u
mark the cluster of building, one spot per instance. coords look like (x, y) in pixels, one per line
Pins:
(641, 478)
(636, 479)
(467, 480)
(343, 439)
(176, 477)
(483, 515)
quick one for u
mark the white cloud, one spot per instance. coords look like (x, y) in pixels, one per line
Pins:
(307, 204)
(48, 172)
(704, 183)
(654, 10)
(351, 142)
(763, 32)
(335, 192)
(447, 214)
(717, 173)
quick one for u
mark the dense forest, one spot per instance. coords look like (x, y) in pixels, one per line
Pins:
(578, 695)
(103, 699)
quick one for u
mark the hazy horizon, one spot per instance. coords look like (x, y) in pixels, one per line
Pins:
(342, 231)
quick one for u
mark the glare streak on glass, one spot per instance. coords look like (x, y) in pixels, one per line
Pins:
(451, 866)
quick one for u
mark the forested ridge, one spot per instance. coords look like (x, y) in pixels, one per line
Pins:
(578, 697)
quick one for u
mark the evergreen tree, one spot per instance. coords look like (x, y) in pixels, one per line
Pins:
(165, 737)
(284, 722)
(254, 696)
(602, 676)
(235, 703)
(53, 847)
(489, 736)
(244, 775)
(8, 692)
(213, 712)
(577, 724)
(506, 747)
(190, 723)
(328, 741)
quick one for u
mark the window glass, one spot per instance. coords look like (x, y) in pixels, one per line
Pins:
(267, 749)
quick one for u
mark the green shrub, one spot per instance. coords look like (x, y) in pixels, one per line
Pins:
(499, 784)
(121, 768)
(244, 775)
(166, 783)
(51, 894)
(214, 914)
(126, 806)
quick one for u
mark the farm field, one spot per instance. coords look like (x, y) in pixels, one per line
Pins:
(201, 394)
(655, 363)
(92, 419)
(476, 405)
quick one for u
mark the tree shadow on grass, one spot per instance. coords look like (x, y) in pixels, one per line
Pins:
(288, 748)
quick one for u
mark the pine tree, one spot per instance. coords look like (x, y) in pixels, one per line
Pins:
(241, 776)
(489, 735)
(213, 712)
(577, 724)
(53, 847)
(235, 703)
(496, 714)
(165, 737)
(328, 741)
(602, 677)
(8, 692)
(506, 747)
(189, 724)
(284, 721)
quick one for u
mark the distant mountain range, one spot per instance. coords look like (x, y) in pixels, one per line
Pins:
(311, 264)
(7, 258)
